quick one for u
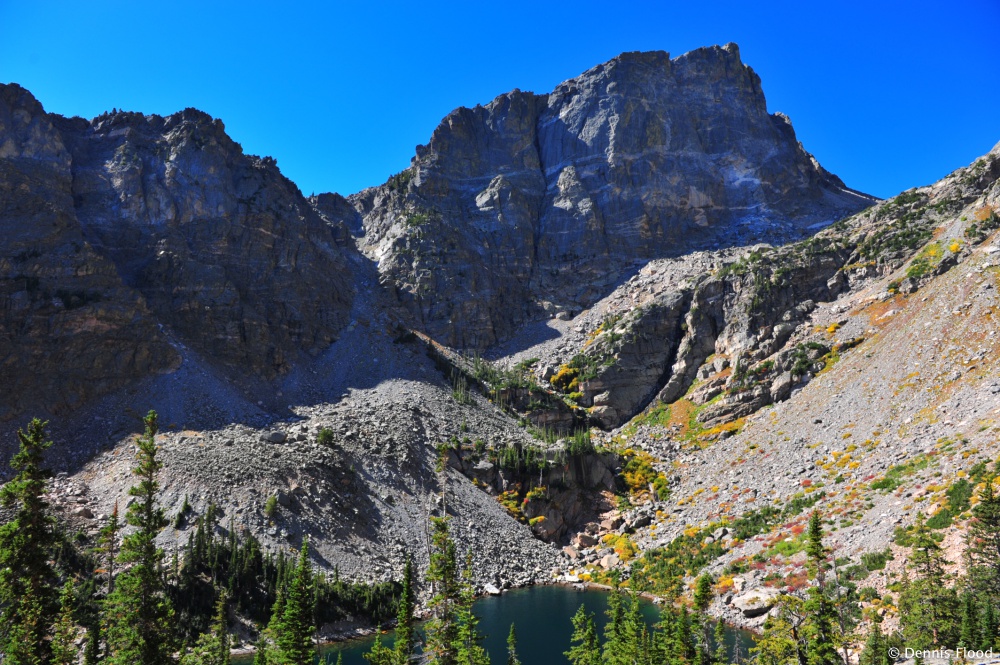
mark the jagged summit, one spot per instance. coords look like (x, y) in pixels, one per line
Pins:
(546, 200)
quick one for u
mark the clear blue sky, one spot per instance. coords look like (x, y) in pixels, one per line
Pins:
(888, 95)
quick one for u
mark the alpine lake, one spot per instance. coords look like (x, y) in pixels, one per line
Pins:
(541, 615)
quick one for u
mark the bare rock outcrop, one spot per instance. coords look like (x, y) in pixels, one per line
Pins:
(553, 197)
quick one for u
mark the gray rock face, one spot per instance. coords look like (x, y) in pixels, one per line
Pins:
(70, 329)
(224, 248)
(122, 229)
(552, 197)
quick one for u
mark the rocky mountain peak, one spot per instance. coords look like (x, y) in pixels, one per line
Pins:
(545, 201)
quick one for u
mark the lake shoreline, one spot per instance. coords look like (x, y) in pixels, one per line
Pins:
(332, 639)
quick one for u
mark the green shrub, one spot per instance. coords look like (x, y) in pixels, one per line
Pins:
(271, 506)
(325, 436)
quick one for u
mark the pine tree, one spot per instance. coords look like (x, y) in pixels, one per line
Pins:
(928, 607)
(138, 612)
(782, 642)
(404, 618)
(468, 645)
(108, 545)
(820, 626)
(442, 629)
(721, 652)
(876, 650)
(213, 647)
(585, 648)
(27, 580)
(702, 599)
(969, 629)
(987, 625)
(294, 639)
(64, 632)
(512, 658)
(379, 654)
(983, 541)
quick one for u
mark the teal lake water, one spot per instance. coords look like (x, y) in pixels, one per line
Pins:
(542, 616)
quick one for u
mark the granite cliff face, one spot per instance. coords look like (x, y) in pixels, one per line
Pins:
(129, 230)
(70, 329)
(545, 201)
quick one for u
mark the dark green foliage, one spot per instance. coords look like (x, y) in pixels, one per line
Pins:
(453, 635)
(212, 648)
(64, 632)
(294, 640)
(27, 579)
(983, 551)
(325, 436)
(251, 579)
(405, 640)
(585, 647)
(138, 612)
(929, 609)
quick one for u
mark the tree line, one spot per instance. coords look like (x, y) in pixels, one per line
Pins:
(132, 605)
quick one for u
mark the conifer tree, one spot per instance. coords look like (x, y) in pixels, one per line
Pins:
(819, 628)
(294, 639)
(27, 580)
(782, 642)
(64, 632)
(404, 617)
(213, 647)
(928, 607)
(987, 625)
(702, 599)
(585, 649)
(380, 654)
(876, 650)
(442, 629)
(983, 541)
(721, 653)
(108, 545)
(512, 658)
(138, 612)
(469, 646)
(969, 628)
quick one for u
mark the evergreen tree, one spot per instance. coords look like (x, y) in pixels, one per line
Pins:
(876, 649)
(64, 632)
(585, 648)
(820, 626)
(721, 652)
(702, 599)
(260, 651)
(442, 629)
(969, 628)
(108, 545)
(380, 654)
(404, 618)
(213, 647)
(512, 658)
(294, 639)
(983, 541)
(469, 646)
(138, 612)
(987, 632)
(928, 607)
(27, 580)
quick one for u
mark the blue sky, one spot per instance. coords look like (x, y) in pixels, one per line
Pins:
(888, 95)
